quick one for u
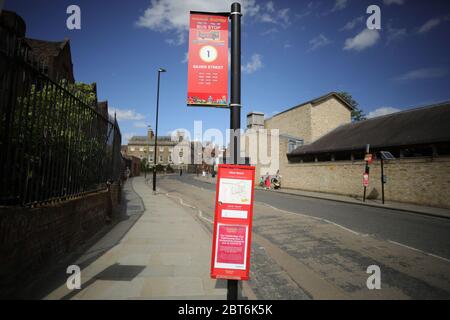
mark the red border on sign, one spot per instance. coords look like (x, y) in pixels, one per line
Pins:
(235, 271)
(208, 60)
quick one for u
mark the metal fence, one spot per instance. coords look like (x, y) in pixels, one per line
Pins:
(54, 142)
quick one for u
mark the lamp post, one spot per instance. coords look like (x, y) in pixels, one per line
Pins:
(156, 131)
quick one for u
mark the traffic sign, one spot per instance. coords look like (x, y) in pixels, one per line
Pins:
(369, 158)
(365, 179)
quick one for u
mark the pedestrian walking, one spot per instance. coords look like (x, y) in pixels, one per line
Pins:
(267, 181)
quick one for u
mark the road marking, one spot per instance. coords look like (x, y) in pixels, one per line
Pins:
(317, 218)
(337, 225)
(200, 213)
(418, 250)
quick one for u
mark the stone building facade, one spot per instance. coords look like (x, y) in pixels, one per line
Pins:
(418, 138)
(319, 149)
(294, 127)
(174, 151)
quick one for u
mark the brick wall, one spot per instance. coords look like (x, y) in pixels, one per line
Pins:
(34, 239)
(422, 181)
(296, 122)
(327, 116)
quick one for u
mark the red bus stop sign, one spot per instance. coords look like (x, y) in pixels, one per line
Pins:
(233, 222)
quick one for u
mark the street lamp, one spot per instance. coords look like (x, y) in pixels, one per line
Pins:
(156, 130)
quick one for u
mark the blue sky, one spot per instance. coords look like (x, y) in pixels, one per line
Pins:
(292, 51)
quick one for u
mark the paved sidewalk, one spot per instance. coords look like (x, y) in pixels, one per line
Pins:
(164, 255)
(430, 211)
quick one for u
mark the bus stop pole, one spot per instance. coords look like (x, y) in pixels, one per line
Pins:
(235, 104)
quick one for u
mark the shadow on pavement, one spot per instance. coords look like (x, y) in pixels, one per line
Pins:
(115, 272)
(127, 215)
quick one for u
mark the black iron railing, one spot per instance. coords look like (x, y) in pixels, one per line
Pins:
(54, 142)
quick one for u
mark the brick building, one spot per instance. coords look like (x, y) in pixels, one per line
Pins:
(53, 58)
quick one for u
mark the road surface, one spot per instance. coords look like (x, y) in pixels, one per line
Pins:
(306, 248)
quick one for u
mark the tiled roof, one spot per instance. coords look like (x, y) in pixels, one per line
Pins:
(425, 125)
(46, 48)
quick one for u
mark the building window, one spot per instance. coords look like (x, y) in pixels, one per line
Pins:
(160, 158)
(294, 144)
(170, 156)
(417, 152)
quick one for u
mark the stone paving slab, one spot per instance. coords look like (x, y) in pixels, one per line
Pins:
(164, 255)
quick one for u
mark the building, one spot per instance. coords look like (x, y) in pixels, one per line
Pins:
(318, 148)
(294, 127)
(53, 58)
(174, 151)
(419, 139)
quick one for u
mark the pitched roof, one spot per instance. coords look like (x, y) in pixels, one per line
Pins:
(46, 48)
(425, 125)
(143, 140)
(318, 100)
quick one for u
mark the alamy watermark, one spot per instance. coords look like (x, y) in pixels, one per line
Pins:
(374, 280)
(74, 280)
(73, 21)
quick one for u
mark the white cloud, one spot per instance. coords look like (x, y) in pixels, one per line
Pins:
(339, 5)
(253, 65)
(140, 124)
(269, 31)
(424, 73)
(352, 24)
(164, 15)
(126, 114)
(173, 15)
(430, 24)
(382, 111)
(394, 34)
(178, 41)
(362, 40)
(317, 42)
(278, 17)
(389, 2)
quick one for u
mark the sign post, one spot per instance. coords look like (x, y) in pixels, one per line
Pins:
(208, 86)
(235, 103)
(384, 155)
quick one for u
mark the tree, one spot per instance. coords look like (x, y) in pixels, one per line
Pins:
(357, 113)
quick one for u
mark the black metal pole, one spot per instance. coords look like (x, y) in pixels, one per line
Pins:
(235, 103)
(156, 133)
(382, 181)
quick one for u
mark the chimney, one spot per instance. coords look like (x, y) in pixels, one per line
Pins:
(150, 134)
(255, 120)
